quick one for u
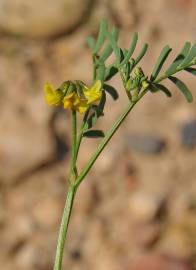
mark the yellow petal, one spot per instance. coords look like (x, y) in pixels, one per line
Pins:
(48, 88)
(97, 86)
(67, 104)
(54, 98)
(82, 107)
(76, 100)
(94, 93)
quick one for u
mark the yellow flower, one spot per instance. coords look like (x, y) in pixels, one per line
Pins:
(52, 96)
(92, 94)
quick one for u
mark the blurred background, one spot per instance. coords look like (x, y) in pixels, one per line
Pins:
(137, 209)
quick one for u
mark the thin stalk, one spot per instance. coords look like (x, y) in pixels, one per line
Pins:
(64, 228)
(74, 144)
(165, 76)
(104, 142)
(70, 197)
(73, 187)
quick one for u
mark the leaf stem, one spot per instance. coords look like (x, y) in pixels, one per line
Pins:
(64, 227)
(74, 145)
(165, 76)
(105, 141)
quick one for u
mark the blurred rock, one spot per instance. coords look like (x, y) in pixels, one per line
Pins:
(47, 213)
(28, 257)
(24, 146)
(145, 143)
(146, 235)
(177, 242)
(158, 262)
(41, 18)
(189, 134)
(144, 206)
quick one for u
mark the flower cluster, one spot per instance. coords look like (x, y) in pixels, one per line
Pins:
(73, 95)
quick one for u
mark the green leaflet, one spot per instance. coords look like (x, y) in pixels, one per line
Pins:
(131, 49)
(190, 56)
(108, 50)
(178, 60)
(91, 42)
(101, 35)
(191, 70)
(116, 49)
(182, 87)
(161, 59)
(141, 54)
(94, 133)
(101, 72)
(111, 90)
(110, 72)
(162, 88)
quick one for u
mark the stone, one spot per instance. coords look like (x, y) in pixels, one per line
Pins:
(41, 18)
(47, 213)
(144, 206)
(188, 134)
(177, 236)
(146, 144)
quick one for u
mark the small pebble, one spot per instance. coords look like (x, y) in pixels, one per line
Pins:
(145, 143)
(188, 133)
(76, 255)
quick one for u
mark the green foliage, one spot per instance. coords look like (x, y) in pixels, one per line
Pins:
(182, 87)
(94, 133)
(160, 61)
(136, 84)
(126, 62)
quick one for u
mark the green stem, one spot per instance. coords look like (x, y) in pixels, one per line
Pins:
(70, 197)
(104, 142)
(64, 228)
(165, 76)
(74, 144)
(73, 187)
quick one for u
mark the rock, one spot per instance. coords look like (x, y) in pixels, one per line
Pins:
(76, 255)
(145, 143)
(47, 213)
(144, 207)
(28, 257)
(146, 235)
(177, 236)
(26, 142)
(188, 133)
(159, 262)
(41, 18)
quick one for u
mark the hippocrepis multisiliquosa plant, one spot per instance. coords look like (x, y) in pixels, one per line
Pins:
(88, 102)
